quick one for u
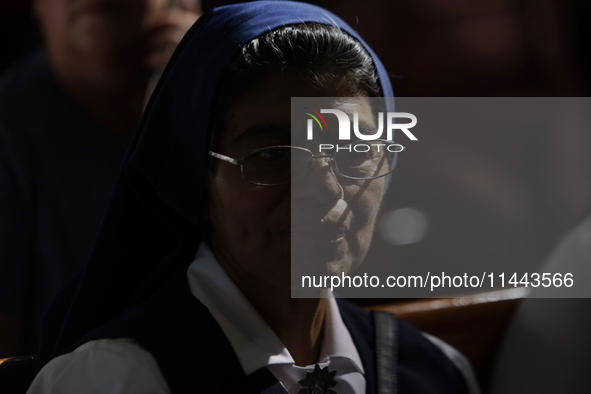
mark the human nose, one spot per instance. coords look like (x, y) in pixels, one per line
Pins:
(320, 184)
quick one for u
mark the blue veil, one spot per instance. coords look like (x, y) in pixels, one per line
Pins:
(151, 230)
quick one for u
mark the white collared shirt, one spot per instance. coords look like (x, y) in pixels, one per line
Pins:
(257, 346)
(117, 366)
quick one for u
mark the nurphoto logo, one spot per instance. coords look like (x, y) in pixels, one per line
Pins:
(361, 133)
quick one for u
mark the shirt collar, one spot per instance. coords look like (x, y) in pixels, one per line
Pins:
(253, 341)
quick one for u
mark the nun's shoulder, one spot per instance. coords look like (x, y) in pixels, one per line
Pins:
(113, 366)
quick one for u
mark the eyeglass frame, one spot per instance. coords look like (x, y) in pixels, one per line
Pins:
(240, 161)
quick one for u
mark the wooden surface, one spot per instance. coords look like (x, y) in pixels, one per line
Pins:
(472, 324)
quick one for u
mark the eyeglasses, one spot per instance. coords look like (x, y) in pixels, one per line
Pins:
(282, 164)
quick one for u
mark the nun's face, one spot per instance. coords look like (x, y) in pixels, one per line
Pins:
(328, 220)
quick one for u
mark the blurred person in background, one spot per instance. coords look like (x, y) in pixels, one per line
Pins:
(547, 344)
(66, 114)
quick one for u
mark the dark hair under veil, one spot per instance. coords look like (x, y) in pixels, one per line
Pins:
(135, 283)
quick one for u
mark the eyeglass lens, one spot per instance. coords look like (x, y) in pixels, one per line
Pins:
(282, 165)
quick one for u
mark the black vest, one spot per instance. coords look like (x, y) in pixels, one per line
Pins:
(195, 356)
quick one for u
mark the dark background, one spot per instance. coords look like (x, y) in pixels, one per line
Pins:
(464, 48)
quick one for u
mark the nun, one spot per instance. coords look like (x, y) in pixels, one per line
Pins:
(188, 288)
